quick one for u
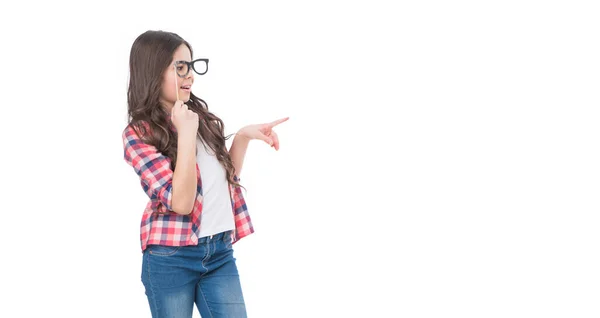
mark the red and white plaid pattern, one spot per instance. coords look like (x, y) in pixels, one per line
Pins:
(160, 225)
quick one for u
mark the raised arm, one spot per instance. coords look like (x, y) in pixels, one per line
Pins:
(240, 142)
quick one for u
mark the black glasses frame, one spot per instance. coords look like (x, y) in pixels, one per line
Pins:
(190, 66)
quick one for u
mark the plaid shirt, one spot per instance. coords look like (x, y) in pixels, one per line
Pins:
(160, 225)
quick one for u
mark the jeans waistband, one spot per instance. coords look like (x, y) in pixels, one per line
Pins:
(224, 236)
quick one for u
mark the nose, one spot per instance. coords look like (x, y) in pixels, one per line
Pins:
(190, 75)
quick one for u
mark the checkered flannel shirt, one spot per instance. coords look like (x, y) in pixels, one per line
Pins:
(160, 225)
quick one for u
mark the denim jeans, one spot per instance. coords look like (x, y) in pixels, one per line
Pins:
(177, 277)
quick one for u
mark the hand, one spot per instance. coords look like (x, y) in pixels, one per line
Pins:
(263, 132)
(185, 120)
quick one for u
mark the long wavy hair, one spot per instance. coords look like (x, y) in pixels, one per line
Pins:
(151, 55)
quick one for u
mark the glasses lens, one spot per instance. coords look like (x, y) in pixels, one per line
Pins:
(200, 67)
(182, 69)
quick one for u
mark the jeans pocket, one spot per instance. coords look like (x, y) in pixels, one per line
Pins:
(163, 250)
(228, 242)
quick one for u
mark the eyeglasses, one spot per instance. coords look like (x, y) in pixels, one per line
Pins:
(200, 66)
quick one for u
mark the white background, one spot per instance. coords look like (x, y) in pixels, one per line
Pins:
(441, 157)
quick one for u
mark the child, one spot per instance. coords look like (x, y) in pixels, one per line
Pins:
(196, 209)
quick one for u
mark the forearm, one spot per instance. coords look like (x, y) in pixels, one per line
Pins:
(238, 152)
(185, 180)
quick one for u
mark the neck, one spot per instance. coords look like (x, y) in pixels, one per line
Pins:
(167, 105)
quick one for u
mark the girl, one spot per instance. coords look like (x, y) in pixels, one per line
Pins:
(196, 209)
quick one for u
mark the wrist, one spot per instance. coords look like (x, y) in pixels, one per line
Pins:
(240, 134)
(187, 136)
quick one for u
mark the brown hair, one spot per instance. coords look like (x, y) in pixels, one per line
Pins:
(151, 54)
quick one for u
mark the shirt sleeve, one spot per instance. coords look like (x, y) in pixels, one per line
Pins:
(153, 168)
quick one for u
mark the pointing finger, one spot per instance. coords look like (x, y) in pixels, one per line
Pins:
(277, 122)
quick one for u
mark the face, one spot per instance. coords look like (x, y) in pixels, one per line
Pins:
(171, 80)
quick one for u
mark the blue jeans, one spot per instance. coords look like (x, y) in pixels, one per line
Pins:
(177, 277)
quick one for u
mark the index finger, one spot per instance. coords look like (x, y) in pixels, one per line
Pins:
(278, 121)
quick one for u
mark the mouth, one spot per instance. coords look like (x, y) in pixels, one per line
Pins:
(187, 88)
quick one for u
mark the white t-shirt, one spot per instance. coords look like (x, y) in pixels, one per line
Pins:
(217, 212)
